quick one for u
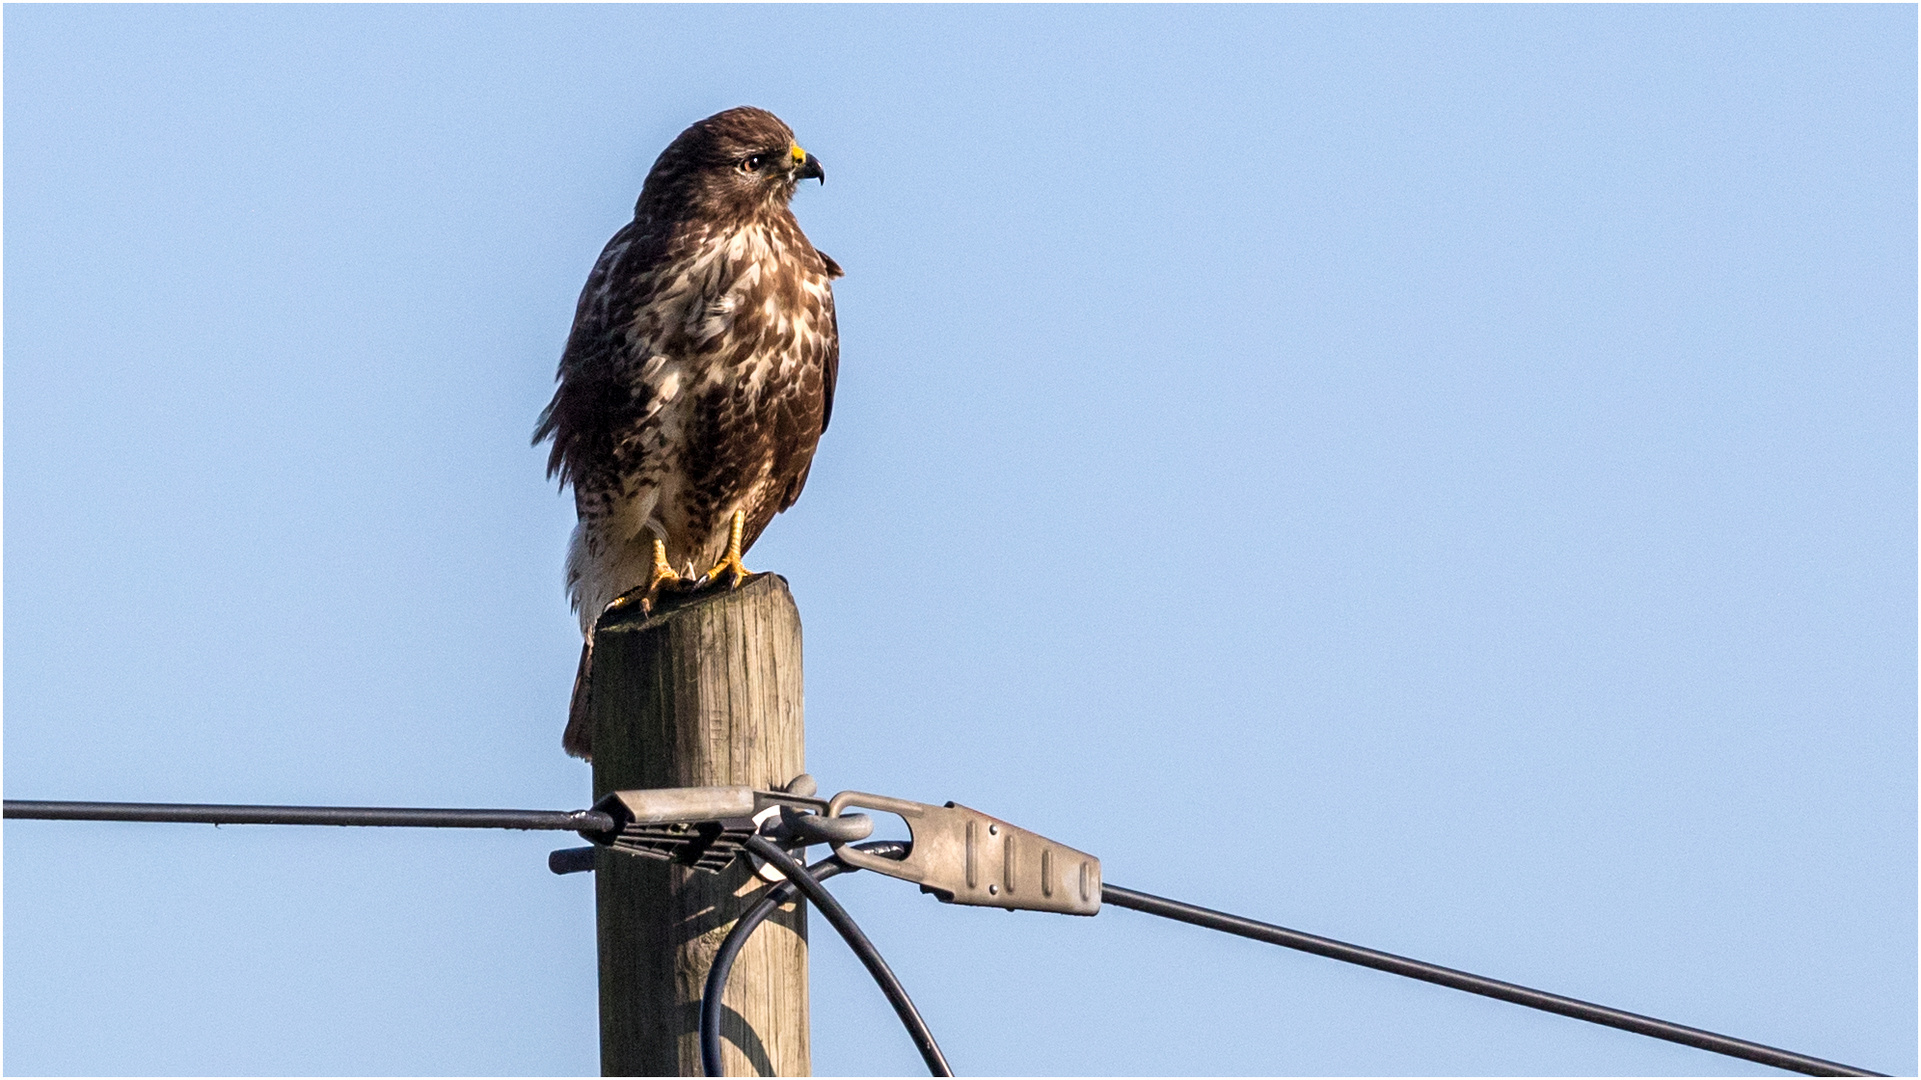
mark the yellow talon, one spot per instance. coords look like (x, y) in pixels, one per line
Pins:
(645, 596)
(731, 561)
(663, 574)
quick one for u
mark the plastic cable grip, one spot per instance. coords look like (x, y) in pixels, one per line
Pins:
(963, 856)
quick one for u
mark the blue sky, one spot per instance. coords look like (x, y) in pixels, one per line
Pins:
(1442, 478)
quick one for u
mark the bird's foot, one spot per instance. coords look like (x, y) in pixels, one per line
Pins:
(662, 576)
(731, 566)
(730, 563)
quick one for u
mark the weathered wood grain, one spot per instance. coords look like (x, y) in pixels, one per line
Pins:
(706, 690)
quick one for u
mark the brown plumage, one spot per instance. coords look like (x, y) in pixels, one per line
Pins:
(699, 374)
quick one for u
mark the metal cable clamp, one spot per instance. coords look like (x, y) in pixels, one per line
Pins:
(963, 856)
(702, 827)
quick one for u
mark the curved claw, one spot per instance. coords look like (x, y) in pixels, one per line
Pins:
(731, 566)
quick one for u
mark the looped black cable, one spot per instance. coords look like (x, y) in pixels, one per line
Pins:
(890, 985)
(744, 927)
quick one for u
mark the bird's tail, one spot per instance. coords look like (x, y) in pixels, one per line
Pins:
(578, 739)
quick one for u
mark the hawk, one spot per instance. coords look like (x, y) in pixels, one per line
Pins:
(697, 378)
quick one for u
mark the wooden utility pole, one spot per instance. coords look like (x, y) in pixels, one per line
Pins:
(706, 690)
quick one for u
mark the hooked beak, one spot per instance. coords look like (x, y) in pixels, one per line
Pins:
(810, 170)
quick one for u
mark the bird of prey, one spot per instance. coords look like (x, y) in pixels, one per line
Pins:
(697, 378)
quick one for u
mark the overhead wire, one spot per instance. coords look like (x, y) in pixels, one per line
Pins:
(593, 821)
(1475, 984)
(806, 881)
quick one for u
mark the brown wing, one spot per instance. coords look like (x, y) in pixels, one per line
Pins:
(592, 400)
(830, 369)
(799, 431)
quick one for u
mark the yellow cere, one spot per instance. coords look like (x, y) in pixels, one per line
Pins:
(799, 154)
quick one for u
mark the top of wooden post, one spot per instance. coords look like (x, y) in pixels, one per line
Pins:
(630, 618)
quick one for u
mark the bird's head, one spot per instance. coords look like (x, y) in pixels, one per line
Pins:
(737, 163)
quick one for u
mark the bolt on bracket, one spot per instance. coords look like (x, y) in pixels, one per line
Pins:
(963, 856)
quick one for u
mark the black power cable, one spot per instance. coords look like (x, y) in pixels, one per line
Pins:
(592, 821)
(1475, 984)
(863, 948)
(744, 927)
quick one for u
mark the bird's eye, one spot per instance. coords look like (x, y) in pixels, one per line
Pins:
(752, 163)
